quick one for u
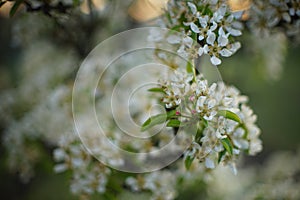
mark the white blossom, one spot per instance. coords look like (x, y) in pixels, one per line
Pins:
(212, 29)
(204, 102)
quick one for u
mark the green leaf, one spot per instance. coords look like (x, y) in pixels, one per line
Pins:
(188, 162)
(198, 135)
(190, 68)
(205, 123)
(154, 120)
(156, 90)
(174, 123)
(171, 113)
(194, 36)
(176, 28)
(230, 115)
(157, 119)
(221, 154)
(227, 145)
(15, 7)
(246, 131)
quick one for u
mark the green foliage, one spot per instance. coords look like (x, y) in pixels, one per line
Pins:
(159, 90)
(227, 145)
(230, 115)
(174, 123)
(198, 135)
(157, 119)
(190, 68)
(188, 161)
(221, 154)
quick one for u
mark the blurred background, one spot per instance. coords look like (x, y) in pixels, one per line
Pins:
(34, 40)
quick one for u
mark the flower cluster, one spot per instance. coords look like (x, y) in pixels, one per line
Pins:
(266, 16)
(225, 125)
(273, 181)
(210, 23)
(215, 117)
(39, 97)
(22, 136)
(89, 176)
(160, 183)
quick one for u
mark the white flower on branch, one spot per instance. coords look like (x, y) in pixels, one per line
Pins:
(211, 25)
(226, 126)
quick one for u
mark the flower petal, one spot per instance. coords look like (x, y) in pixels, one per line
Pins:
(201, 37)
(214, 26)
(225, 52)
(234, 32)
(194, 28)
(211, 38)
(206, 49)
(200, 51)
(215, 61)
(209, 163)
(211, 103)
(192, 7)
(234, 47)
(182, 52)
(188, 41)
(203, 21)
(223, 38)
